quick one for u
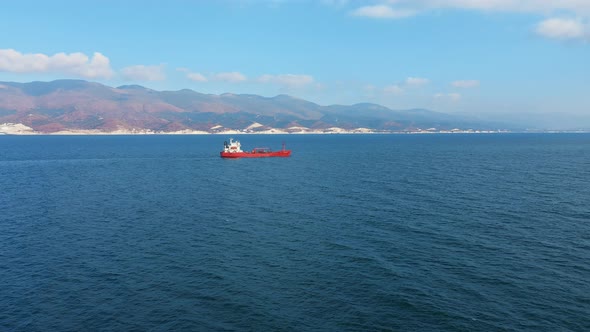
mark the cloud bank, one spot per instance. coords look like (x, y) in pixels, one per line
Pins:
(562, 28)
(571, 23)
(283, 80)
(196, 77)
(78, 64)
(546, 7)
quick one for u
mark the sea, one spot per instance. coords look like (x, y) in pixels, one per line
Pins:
(434, 232)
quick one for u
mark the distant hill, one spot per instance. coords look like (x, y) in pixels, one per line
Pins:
(82, 105)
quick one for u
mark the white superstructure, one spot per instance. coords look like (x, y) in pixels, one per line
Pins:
(232, 146)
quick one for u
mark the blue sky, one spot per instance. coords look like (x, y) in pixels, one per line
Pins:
(499, 58)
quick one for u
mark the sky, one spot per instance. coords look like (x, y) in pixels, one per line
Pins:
(489, 58)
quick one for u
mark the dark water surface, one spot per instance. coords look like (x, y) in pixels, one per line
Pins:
(352, 233)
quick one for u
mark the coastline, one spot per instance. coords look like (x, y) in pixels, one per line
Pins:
(17, 129)
(23, 130)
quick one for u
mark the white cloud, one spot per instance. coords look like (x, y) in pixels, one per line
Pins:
(511, 5)
(555, 28)
(465, 83)
(287, 80)
(576, 7)
(454, 97)
(417, 81)
(232, 77)
(562, 28)
(144, 73)
(393, 89)
(197, 77)
(78, 64)
(382, 11)
(99, 66)
(394, 9)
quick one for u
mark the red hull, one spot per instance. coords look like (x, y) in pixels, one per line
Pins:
(282, 153)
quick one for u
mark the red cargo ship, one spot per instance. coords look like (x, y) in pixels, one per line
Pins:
(233, 150)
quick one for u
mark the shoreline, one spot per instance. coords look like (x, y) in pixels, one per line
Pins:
(235, 132)
(286, 133)
(11, 129)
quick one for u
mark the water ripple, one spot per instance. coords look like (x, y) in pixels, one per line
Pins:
(445, 233)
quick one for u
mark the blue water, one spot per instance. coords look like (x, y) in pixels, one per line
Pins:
(352, 233)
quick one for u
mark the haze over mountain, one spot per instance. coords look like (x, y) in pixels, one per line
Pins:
(81, 105)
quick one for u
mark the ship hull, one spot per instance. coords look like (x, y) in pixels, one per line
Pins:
(282, 153)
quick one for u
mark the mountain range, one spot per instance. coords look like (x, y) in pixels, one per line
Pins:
(60, 105)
